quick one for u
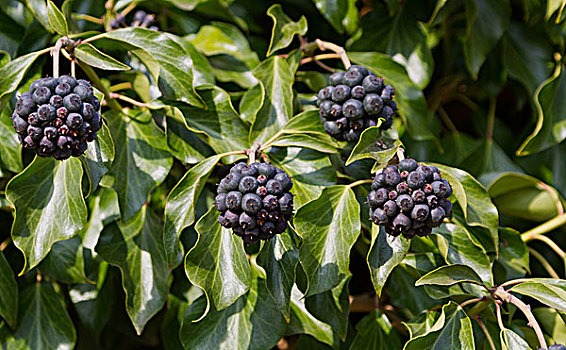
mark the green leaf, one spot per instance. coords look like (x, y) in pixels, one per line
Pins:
(486, 20)
(136, 247)
(202, 69)
(342, 14)
(8, 293)
(475, 202)
(513, 253)
(252, 322)
(217, 263)
(49, 206)
(368, 147)
(224, 129)
(279, 258)
(13, 72)
(512, 341)
(284, 29)
(94, 304)
(452, 330)
(421, 324)
(375, 332)
(329, 227)
(551, 292)
(98, 157)
(10, 151)
(277, 79)
(524, 196)
(410, 99)
(385, 253)
(44, 323)
(90, 55)
(184, 144)
(303, 322)
(552, 323)
(176, 67)
(550, 103)
(458, 247)
(553, 6)
(142, 159)
(251, 103)
(181, 203)
(104, 209)
(448, 275)
(65, 261)
(40, 12)
(56, 19)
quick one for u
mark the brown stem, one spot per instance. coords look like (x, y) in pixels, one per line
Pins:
(128, 99)
(325, 45)
(471, 301)
(486, 332)
(55, 53)
(5, 244)
(324, 56)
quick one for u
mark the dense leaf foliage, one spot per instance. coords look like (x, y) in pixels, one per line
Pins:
(122, 246)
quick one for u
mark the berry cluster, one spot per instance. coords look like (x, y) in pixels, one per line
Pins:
(555, 347)
(141, 19)
(409, 199)
(57, 117)
(354, 101)
(254, 201)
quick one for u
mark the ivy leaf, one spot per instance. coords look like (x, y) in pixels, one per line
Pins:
(375, 332)
(421, 324)
(369, 147)
(342, 14)
(217, 263)
(10, 148)
(94, 304)
(40, 12)
(224, 129)
(44, 323)
(176, 67)
(184, 144)
(409, 98)
(277, 79)
(49, 206)
(486, 20)
(56, 19)
(551, 292)
(385, 253)
(284, 29)
(12, 73)
(181, 202)
(452, 330)
(104, 209)
(8, 293)
(512, 341)
(553, 6)
(513, 253)
(65, 261)
(329, 227)
(90, 55)
(450, 274)
(279, 258)
(136, 248)
(98, 157)
(251, 103)
(142, 159)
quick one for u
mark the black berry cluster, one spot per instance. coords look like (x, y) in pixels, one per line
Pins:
(555, 347)
(354, 101)
(254, 201)
(409, 199)
(57, 117)
(140, 19)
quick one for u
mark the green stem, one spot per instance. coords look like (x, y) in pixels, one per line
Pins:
(545, 227)
(486, 332)
(112, 103)
(233, 153)
(359, 182)
(268, 143)
(325, 45)
(544, 263)
(490, 119)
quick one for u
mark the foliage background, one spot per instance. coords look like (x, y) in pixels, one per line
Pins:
(91, 259)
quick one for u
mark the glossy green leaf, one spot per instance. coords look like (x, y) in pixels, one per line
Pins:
(65, 261)
(49, 206)
(142, 159)
(104, 209)
(252, 322)
(13, 72)
(421, 324)
(550, 103)
(385, 253)
(136, 248)
(452, 330)
(251, 103)
(552, 323)
(448, 275)
(90, 55)
(513, 253)
(512, 341)
(224, 129)
(176, 66)
(98, 157)
(8, 293)
(284, 29)
(94, 304)
(184, 143)
(375, 332)
(10, 148)
(342, 14)
(203, 72)
(43, 322)
(329, 227)
(279, 258)
(181, 203)
(276, 77)
(40, 12)
(409, 98)
(217, 263)
(56, 19)
(368, 147)
(486, 20)
(553, 6)
(551, 292)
